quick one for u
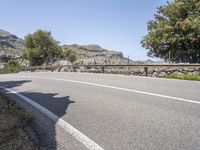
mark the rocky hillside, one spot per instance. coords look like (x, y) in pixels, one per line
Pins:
(10, 46)
(94, 54)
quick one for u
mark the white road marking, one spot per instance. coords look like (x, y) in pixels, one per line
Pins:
(117, 88)
(91, 145)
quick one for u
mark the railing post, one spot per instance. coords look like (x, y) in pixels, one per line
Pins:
(74, 68)
(102, 68)
(59, 69)
(146, 71)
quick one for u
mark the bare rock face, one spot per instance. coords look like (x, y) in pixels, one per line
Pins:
(62, 63)
(94, 54)
(10, 46)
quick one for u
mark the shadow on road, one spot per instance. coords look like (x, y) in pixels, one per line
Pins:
(42, 130)
(12, 84)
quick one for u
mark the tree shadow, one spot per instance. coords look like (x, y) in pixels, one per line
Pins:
(41, 130)
(12, 84)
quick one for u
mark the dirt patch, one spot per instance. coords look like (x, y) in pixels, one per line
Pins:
(13, 119)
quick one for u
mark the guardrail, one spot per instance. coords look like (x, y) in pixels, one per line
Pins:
(123, 65)
(103, 66)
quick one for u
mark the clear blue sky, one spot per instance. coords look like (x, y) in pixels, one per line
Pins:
(113, 24)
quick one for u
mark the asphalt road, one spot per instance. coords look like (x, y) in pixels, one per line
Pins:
(116, 111)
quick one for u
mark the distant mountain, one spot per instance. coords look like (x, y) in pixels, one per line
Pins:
(94, 54)
(10, 46)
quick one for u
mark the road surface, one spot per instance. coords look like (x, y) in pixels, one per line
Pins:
(115, 111)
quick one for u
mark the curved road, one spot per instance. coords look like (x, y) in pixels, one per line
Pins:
(116, 111)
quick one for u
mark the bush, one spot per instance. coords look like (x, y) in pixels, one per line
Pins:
(11, 67)
(69, 54)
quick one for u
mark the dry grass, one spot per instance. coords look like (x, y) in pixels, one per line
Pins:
(12, 121)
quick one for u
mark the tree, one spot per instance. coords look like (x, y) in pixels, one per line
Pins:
(175, 31)
(40, 47)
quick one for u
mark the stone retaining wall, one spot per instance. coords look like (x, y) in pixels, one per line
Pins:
(150, 71)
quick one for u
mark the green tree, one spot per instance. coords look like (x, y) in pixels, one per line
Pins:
(40, 47)
(175, 31)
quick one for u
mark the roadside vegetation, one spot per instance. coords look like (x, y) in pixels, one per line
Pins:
(11, 67)
(40, 48)
(184, 77)
(69, 54)
(173, 35)
(13, 120)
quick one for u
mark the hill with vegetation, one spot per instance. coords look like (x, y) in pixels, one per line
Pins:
(11, 49)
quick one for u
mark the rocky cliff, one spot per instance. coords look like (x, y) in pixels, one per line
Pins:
(10, 46)
(94, 54)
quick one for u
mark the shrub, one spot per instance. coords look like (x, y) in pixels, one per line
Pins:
(193, 77)
(11, 67)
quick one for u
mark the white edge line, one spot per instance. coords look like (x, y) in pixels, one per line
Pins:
(87, 142)
(117, 88)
